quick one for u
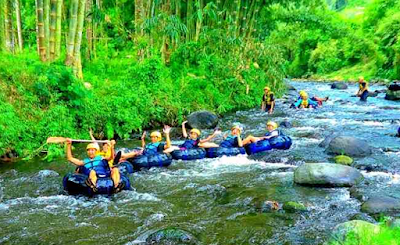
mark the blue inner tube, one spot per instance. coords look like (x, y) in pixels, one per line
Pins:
(189, 154)
(148, 161)
(224, 151)
(75, 184)
(282, 142)
(125, 168)
(398, 132)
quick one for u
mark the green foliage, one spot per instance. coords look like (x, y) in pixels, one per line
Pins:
(363, 235)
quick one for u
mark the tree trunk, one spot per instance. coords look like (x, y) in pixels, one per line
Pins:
(53, 26)
(9, 30)
(58, 29)
(46, 16)
(71, 32)
(78, 39)
(40, 28)
(89, 28)
(19, 24)
(189, 20)
(199, 21)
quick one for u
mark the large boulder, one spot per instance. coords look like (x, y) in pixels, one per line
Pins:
(349, 146)
(327, 175)
(202, 120)
(339, 85)
(381, 204)
(393, 92)
(357, 228)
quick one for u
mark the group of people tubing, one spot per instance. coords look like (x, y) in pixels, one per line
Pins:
(304, 101)
(100, 163)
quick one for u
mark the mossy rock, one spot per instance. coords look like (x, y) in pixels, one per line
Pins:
(344, 160)
(292, 207)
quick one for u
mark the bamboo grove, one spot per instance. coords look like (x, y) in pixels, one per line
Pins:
(162, 25)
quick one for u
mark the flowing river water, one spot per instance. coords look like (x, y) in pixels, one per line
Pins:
(217, 201)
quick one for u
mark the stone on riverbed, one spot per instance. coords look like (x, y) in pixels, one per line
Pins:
(393, 92)
(381, 204)
(349, 146)
(202, 120)
(171, 236)
(327, 175)
(339, 85)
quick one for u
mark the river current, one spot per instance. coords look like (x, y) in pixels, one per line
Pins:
(217, 201)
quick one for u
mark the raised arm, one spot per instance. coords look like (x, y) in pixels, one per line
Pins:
(143, 139)
(166, 131)
(70, 158)
(184, 133)
(92, 137)
(216, 132)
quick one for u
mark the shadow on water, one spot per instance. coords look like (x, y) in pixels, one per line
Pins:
(218, 201)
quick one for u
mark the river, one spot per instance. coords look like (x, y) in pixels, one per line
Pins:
(217, 201)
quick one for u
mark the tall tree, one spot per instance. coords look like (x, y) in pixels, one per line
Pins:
(40, 30)
(8, 26)
(78, 40)
(46, 16)
(58, 28)
(52, 32)
(89, 27)
(19, 24)
(74, 4)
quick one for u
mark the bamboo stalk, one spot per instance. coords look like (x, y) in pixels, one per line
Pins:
(78, 39)
(40, 28)
(58, 29)
(52, 32)
(71, 32)
(46, 16)
(189, 20)
(199, 21)
(89, 28)
(19, 24)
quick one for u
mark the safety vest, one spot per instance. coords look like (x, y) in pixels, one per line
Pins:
(304, 103)
(230, 141)
(363, 85)
(268, 98)
(189, 144)
(97, 164)
(151, 148)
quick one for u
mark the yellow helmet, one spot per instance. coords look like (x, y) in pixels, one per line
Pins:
(273, 124)
(93, 146)
(196, 131)
(236, 127)
(156, 134)
(267, 88)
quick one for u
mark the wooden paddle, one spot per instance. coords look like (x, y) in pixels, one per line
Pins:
(63, 140)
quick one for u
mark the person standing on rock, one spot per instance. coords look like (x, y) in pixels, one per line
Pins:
(268, 101)
(363, 89)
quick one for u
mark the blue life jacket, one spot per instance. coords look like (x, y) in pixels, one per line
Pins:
(151, 148)
(97, 164)
(229, 142)
(276, 130)
(189, 144)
